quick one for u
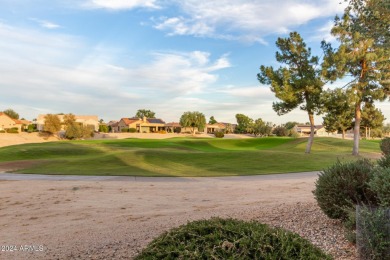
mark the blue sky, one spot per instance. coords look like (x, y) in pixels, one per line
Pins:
(112, 57)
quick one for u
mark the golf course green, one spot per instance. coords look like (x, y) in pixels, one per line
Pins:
(181, 157)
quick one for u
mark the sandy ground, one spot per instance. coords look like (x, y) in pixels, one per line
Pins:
(22, 138)
(61, 219)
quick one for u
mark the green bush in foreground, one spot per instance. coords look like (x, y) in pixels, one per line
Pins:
(230, 239)
(373, 232)
(384, 162)
(380, 184)
(343, 185)
(385, 146)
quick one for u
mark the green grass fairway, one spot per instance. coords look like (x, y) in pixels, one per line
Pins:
(182, 157)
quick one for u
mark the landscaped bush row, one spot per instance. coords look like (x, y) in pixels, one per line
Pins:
(343, 186)
(230, 239)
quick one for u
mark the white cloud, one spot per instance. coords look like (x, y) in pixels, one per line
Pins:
(244, 20)
(60, 73)
(121, 4)
(66, 75)
(323, 33)
(257, 92)
(180, 73)
(46, 24)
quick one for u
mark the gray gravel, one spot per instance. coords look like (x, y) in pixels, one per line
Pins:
(306, 219)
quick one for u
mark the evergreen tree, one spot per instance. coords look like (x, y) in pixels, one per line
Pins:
(298, 82)
(338, 112)
(372, 118)
(363, 54)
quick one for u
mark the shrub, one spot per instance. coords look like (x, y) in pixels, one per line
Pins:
(343, 185)
(103, 128)
(13, 130)
(79, 131)
(230, 239)
(2, 131)
(219, 134)
(294, 134)
(162, 132)
(384, 162)
(132, 130)
(31, 128)
(380, 184)
(280, 131)
(385, 146)
(373, 232)
(125, 130)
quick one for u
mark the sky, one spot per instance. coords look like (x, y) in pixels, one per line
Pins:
(112, 57)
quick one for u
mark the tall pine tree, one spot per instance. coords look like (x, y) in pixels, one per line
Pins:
(363, 54)
(297, 83)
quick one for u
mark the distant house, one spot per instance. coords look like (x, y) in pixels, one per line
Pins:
(305, 130)
(173, 127)
(126, 123)
(151, 125)
(91, 120)
(230, 128)
(7, 123)
(145, 125)
(217, 127)
(113, 126)
(22, 124)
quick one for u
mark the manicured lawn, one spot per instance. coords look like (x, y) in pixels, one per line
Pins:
(182, 156)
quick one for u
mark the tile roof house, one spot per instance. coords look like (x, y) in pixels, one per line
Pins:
(144, 125)
(212, 128)
(113, 125)
(151, 125)
(305, 130)
(173, 127)
(6, 122)
(125, 123)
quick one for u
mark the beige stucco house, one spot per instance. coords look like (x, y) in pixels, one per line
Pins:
(305, 130)
(7, 123)
(127, 123)
(82, 119)
(151, 125)
(144, 125)
(217, 127)
(173, 127)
